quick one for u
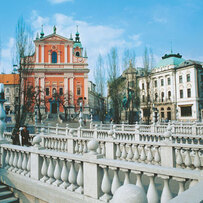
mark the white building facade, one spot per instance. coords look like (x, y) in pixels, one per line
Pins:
(175, 87)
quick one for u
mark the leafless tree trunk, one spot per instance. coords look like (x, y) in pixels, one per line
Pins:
(24, 50)
(148, 64)
(99, 75)
(113, 84)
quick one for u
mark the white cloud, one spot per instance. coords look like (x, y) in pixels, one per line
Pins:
(59, 1)
(159, 20)
(7, 53)
(136, 40)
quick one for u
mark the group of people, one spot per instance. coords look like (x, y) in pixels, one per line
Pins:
(21, 137)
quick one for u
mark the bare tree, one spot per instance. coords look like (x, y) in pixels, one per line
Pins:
(129, 56)
(65, 101)
(114, 83)
(99, 75)
(24, 59)
(148, 64)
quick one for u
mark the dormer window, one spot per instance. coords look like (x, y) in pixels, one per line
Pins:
(54, 57)
(77, 53)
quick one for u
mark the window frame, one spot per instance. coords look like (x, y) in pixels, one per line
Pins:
(47, 88)
(189, 93)
(188, 77)
(54, 57)
(181, 93)
(162, 82)
(180, 79)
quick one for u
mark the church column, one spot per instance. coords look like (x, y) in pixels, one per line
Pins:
(37, 54)
(72, 89)
(65, 85)
(86, 90)
(49, 56)
(42, 56)
(65, 53)
(59, 56)
(71, 54)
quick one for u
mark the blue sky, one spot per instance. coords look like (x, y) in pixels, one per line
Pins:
(103, 24)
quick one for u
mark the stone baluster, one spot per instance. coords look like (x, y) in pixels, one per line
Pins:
(24, 164)
(136, 153)
(95, 131)
(152, 194)
(56, 144)
(179, 158)
(181, 183)
(166, 193)
(118, 151)
(47, 143)
(59, 145)
(80, 178)
(139, 179)
(85, 147)
(149, 154)
(11, 160)
(57, 128)
(62, 145)
(76, 147)
(15, 161)
(64, 175)
(103, 151)
(130, 152)
(106, 185)
(116, 182)
(72, 177)
(126, 179)
(197, 161)
(28, 164)
(81, 147)
(157, 157)
(188, 161)
(50, 172)
(52, 143)
(143, 154)
(124, 153)
(44, 170)
(7, 159)
(57, 173)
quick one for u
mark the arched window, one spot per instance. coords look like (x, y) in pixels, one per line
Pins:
(162, 96)
(169, 95)
(54, 57)
(53, 91)
(156, 96)
(77, 53)
(168, 109)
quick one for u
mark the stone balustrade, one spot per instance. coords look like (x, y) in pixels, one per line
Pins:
(145, 148)
(94, 177)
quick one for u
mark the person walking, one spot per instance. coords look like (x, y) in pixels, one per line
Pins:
(15, 137)
(25, 136)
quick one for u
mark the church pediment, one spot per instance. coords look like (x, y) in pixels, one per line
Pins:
(54, 37)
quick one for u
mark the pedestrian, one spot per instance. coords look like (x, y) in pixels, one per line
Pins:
(15, 137)
(25, 136)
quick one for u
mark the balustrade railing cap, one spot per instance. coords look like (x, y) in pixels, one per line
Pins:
(129, 193)
(36, 141)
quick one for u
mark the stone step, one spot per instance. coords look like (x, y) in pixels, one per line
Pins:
(5, 194)
(3, 188)
(10, 200)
